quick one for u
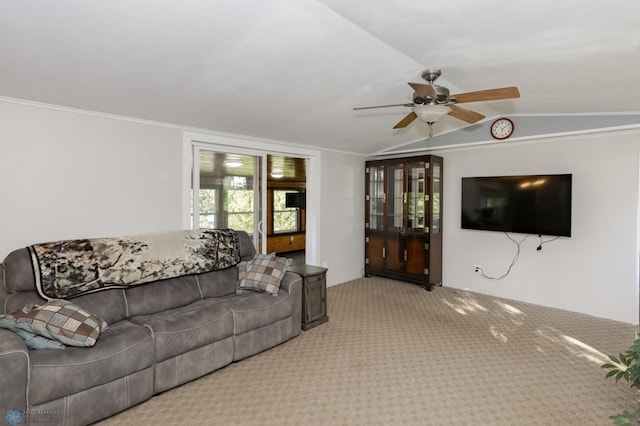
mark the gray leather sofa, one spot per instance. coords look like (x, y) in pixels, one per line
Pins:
(160, 335)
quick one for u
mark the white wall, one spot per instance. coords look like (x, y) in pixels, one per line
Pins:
(70, 174)
(67, 175)
(342, 216)
(596, 270)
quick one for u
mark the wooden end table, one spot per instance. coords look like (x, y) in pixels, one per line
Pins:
(314, 294)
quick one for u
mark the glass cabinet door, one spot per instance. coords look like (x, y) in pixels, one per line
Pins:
(395, 197)
(436, 192)
(416, 187)
(376, 198)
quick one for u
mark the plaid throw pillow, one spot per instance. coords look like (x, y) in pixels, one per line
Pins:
(60, 320)
(33, 341)
(263, 274)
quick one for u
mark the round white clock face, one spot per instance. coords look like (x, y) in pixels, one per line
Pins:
(502, 128)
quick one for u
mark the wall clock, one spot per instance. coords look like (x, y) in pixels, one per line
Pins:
(502, 128)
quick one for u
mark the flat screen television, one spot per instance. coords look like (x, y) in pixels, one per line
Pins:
(295, 199)
(532, 204)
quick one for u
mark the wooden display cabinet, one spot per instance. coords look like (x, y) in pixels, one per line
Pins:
(403, 219)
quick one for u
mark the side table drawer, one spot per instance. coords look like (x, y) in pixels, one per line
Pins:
(316, 280)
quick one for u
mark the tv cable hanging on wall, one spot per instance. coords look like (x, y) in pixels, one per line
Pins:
(513, 261)
(478, 269)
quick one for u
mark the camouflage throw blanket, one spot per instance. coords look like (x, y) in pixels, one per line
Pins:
(65, 269)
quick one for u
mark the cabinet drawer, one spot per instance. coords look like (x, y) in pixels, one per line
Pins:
(285, 243)
(315, 279)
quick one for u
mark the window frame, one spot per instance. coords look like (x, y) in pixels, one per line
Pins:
(274, 211)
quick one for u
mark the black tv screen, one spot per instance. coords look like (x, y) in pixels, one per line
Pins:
(532, 204)
(295, 199)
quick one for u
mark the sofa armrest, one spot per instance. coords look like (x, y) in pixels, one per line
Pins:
(292, 284)
(14, 371)
(290, 280)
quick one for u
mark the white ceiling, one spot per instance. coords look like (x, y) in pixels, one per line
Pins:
(292, 70)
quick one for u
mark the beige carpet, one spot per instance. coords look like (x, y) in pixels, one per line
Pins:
(394, 354)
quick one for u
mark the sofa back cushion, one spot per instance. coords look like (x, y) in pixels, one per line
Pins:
(19, 288)
(225, 282)
(159, 296)
(110, 305)
(18, 272)
(19, 300)
(3, 291)
(247, 249)
(219, 283)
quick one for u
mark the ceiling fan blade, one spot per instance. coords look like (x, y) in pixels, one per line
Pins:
(488, 95)
(386, 106)
(406, 121)
(465, 114)
(424, 90)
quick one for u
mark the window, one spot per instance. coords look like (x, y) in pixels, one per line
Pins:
(239, 204)
(285, 219)
(208, 215)
(229, 206)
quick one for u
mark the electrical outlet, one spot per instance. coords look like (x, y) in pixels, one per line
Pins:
(478, 268)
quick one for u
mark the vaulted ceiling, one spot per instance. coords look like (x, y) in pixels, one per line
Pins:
(292, 70)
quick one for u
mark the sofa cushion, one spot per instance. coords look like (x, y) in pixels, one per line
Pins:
(110, 305)
(59, 320)
(160, 296)
(20, 299)
(247, 249)
(183, 329)
(263, 273)
(122, 349)
(218, 283)
(255, 310)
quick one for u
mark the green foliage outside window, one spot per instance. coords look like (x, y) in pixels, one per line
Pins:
(240, 210)
(285, 219)
(207, 202)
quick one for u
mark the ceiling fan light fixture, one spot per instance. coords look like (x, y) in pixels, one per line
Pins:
(431, 113)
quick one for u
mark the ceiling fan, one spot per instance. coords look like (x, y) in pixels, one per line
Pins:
(431, 102)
